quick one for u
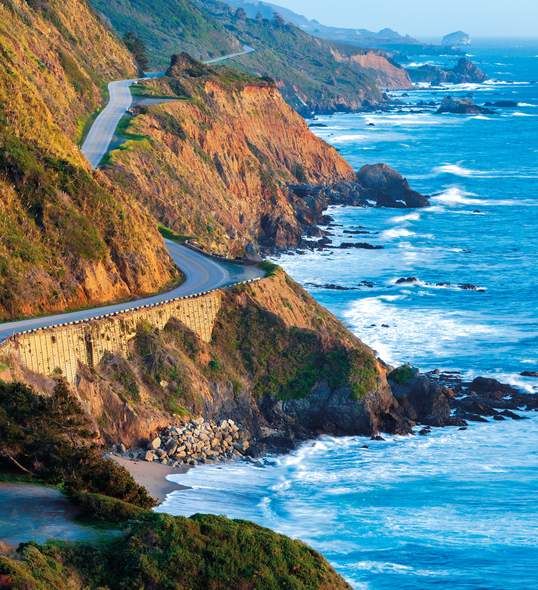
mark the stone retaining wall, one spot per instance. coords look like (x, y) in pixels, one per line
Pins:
(58, 350)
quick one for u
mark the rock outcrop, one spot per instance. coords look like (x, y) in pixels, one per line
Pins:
(462, 106)
(387, 74)
(457, 39)
(465, 71)
(388, 188)
(236, 135)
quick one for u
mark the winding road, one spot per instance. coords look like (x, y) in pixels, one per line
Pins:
(202, 273)
(101, 133)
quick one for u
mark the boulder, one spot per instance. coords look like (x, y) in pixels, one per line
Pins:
(155, 443)
(388, 188)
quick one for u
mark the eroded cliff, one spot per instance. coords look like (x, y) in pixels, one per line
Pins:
(215, 164)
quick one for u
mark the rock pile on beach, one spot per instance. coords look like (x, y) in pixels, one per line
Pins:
(198, 441)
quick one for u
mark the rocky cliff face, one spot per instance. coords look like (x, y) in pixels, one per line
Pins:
(217, 162)
(386, 74)
(310, 72)
(278, 364)
(68, 238)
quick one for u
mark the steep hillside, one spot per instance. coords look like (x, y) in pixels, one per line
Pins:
(305, 67)
(218, 160)
(67, 237)
(278, 363)
(386, 73)
(168, 27)
(357, 37)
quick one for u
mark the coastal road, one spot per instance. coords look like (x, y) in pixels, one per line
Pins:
(202, 273)
(100, 135)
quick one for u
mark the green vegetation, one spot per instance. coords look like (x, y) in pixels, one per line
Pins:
(270, 268)
(210, 28)
(287, 362)
(168, 27)
(403, 374)
(138, 48)
(175, 553)
(170, 234)
(125, 139)
(50, 439)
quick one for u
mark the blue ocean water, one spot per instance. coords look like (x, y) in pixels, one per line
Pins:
(455, 509)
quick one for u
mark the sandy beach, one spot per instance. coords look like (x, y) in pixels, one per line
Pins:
(152, 476)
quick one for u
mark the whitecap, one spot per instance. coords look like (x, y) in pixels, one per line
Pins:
(345, 138)
(521, 114)
(456, 170)
(456, 196)
(409, 217)
(397, 232)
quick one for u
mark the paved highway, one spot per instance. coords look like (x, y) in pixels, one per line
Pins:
(100, 135)
(202, 273)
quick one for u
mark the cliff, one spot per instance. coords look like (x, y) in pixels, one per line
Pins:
(274, 361)
(68, 238)
(378, 66)
(217, 162)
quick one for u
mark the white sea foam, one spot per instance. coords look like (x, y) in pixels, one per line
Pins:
(527, 105)
(455, 196)
(403, 218)
(406, 333)
(522, 114)
(349, 137)
(457, 170)
(396, 232)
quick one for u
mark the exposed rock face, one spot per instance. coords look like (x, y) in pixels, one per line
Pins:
(387, 74)
(457, 39)
(217, 166)
(424, 400)
(462, 106)
(388, 188)
(465, 71)
(279, 365)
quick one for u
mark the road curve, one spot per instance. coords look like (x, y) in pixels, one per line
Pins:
(201, 274)
(100, 135)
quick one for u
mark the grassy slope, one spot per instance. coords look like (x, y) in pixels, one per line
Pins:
(198, 553)
(51, 437)
(311, 78)
(67, 238)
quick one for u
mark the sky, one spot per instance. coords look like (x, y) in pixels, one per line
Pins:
(426, 18)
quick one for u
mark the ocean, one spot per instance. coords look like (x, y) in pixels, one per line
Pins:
(454, 509)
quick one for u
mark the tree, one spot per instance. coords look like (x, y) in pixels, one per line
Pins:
(138, 48)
